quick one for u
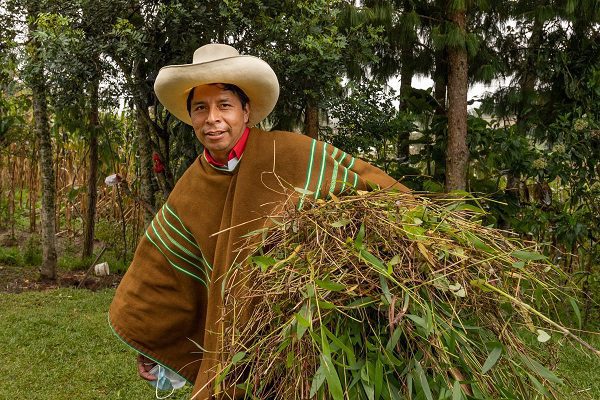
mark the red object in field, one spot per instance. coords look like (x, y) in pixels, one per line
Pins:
(159, 167)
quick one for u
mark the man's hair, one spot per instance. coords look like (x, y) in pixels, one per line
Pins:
(225, 86)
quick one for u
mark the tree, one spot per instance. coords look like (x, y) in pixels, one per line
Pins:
(457, 152)
(37, 84)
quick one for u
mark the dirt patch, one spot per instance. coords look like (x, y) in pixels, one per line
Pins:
(14, 279)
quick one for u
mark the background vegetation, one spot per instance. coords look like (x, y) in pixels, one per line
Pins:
(77, 105)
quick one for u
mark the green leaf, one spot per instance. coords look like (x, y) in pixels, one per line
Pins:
(465, 207)
(539, 369)
(456, 391)
(335, 340)
(385, 289)
(238, 357)
(492, 359)
(303, 319)
(527, 255)
(417, 320)
(538, 386)
(518, 264)
(342, 222)
(331, 376)
(576, 310)
(358, 241)
(391, 344)
(378, 378)
(263, 262)
(369, 390)
(478, 243)
(317, 382)
(330, 285)
(363, 301)
(414, 232)
(423, 381)
(374, 261)
(325, 305)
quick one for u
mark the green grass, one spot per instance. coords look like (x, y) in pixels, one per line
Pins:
(58, 345)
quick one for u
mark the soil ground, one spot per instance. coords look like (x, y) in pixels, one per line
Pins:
(17, 279)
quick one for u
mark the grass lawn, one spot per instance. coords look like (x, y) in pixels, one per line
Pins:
(57, 345)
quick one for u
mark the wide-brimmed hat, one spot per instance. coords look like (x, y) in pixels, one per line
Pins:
(218, 63)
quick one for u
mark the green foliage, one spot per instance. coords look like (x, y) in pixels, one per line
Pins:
(11, 256)
(32, 250)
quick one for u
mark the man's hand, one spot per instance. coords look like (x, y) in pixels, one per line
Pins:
(144, 365)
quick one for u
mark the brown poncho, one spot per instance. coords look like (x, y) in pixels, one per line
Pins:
(168, 305)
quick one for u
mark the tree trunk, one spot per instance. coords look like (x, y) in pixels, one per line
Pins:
(92, 178)
(406, 75)
(457, 152)
(147, 187)
(42, 131)
(311, 120)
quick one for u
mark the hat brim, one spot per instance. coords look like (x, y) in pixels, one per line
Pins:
(254, 76)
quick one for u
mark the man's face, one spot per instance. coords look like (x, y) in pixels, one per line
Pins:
(218, 119)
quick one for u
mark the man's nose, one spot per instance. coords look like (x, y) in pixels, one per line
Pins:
(214, 114)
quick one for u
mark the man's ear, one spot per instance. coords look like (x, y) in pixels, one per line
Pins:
(247, 113)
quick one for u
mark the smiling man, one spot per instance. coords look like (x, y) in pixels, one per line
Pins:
(169, 305)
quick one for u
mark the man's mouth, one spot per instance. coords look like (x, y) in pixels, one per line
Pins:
(214, 134)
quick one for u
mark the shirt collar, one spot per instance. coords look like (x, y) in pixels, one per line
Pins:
(236, 151)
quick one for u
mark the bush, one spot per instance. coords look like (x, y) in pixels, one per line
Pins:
(32, 250)
(11, 256)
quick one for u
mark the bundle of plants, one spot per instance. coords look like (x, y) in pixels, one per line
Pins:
(385, 295)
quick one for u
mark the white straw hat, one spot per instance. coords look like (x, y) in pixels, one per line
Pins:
(218, 63)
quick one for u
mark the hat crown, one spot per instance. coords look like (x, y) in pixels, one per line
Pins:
(213, 52)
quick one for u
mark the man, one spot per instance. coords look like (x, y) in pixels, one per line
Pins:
(168, 306)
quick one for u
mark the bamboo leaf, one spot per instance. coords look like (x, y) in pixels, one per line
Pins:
(263, 262)
(335, 340)
(456, 391)
(361, 302)
(317, 381)
(414, 232)
(378, 378)
(491, 359)
(527, 255)
(330, 285)
(325, 305)
(358, 241)
(423, 381)
(374, 261)
(417, 320)
(391, 344)
(539, 369)
(238, 357)
(385, 289)
(331, 376)
(576, 310)
(342, 222)
(538, 386)
(478, 243)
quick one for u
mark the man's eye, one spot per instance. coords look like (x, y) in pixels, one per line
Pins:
(200, 107)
